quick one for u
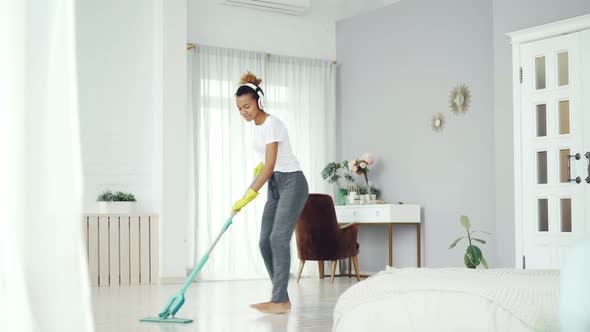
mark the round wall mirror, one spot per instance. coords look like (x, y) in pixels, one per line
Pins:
(438, 122)
(460, 99)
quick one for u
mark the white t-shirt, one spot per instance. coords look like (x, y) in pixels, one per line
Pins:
(270, 131)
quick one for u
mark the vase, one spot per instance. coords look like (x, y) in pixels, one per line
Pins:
(341, 197)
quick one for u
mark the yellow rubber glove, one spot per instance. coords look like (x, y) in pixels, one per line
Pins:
(258, 169)
(248, 197)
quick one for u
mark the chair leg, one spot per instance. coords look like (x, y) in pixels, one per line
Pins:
(321, 268)
(301, 263)
(349, 267)
(333, 270)
(355, 261)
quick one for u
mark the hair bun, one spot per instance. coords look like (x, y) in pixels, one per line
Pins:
(250, 78)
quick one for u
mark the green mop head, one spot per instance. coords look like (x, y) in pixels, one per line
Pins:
(171, 308)
(177, 300)
(166, 320)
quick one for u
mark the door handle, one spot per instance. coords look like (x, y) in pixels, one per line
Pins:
(569, 168)
(588, 157)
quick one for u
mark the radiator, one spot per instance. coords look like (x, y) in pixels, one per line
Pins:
(121, 249)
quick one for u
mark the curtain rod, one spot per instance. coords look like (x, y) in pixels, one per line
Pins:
(190, 46)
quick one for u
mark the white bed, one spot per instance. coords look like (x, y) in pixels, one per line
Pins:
(451, 300)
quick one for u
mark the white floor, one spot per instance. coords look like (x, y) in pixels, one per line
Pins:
(219, 306)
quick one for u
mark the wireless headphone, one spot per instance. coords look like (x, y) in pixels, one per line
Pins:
(258, 90)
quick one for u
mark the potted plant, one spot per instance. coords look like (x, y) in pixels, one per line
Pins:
(369, 194)
(473, 256)
(361, 167)
(330, 174)
(119, 202)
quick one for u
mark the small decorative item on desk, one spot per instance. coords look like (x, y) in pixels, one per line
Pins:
(118, 202)
(358, 199)
(360, 167)
(341, 196)
(352, 196)
(364, 192)
(373, 194)
(330, 174)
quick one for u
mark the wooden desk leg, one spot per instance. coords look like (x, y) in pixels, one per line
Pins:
(390, 229)
(419, 247)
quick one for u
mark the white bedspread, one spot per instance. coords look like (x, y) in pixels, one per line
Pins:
(420, 299)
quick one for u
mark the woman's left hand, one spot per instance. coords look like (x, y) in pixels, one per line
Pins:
(258, 169)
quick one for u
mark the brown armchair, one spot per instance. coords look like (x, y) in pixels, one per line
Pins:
(320, 239)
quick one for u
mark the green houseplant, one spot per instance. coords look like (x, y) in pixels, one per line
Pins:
(118, 202)
(331, 174)
(473, 256)
(363, 190)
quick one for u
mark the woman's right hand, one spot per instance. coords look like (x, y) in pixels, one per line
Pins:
(239, 204)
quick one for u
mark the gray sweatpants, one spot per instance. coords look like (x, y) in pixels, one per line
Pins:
(287, 194)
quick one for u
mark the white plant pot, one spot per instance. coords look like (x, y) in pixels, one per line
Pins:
(365, 199)
(351, 197)
(116, 207)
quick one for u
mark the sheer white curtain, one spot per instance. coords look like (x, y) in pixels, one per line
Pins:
(301, 92)
(43, 278)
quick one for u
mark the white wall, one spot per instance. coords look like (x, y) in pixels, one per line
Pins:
(312, 35)
(116, 56)
(132, 76)
(174, 150)
(397, 67)
(214, 24)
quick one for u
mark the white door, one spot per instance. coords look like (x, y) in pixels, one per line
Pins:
(555, 128)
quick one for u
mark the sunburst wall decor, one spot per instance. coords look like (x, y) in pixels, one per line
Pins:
(460, 99)
(438, 122)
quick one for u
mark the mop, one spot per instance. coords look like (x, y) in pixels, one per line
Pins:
(177, 300)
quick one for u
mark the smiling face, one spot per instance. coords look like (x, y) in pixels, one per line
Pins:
(248, 107)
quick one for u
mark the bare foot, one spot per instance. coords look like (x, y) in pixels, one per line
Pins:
(256, 305)
(275, 308)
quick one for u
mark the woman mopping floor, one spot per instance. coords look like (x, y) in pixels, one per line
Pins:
(287, 190)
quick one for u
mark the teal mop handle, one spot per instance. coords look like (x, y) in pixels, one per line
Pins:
(206, 255)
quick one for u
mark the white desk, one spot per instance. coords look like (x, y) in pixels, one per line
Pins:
(383, 214)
